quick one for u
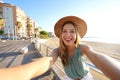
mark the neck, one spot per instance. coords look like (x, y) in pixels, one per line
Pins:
(70, 48)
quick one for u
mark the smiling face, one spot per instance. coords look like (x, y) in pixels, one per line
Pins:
(69, 34)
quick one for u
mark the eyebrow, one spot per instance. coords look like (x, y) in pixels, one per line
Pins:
(70, 29)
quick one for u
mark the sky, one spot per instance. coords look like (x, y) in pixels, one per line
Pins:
(102, 16)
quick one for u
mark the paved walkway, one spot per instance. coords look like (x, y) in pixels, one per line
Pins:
(10, 53)
(10, 56)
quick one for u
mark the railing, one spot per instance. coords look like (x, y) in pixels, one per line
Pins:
(58, 68)
(45, 50)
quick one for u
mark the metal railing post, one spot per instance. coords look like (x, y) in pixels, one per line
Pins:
(40, 47)
(46, 51)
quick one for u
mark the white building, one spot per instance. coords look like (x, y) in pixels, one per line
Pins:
(11, 14)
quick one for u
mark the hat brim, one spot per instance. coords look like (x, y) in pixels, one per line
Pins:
(81, 25)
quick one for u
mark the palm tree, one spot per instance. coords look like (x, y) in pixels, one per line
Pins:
(29, 26)
(36, 31)
(1, 23)
(1, 26)
(19, 25)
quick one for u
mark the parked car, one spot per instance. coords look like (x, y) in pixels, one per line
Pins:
(5, 38)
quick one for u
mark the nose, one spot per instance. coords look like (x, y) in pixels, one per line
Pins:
(68, 34)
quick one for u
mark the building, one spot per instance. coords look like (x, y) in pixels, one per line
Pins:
(11, 14)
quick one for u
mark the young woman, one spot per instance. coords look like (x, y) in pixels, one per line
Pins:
(69, 30)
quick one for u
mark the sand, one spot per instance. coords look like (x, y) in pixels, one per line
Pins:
(110, 49)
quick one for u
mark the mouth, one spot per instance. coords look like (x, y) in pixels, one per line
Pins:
(68, 39)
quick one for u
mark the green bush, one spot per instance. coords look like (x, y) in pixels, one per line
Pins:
(1, 32)
(43, 35)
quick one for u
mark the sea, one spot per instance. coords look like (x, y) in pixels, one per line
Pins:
(114, 40)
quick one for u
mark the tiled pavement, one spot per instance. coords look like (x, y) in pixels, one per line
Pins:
(10, 56)
(10, 53)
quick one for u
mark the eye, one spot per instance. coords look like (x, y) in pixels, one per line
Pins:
(64, 31)
(72, 31)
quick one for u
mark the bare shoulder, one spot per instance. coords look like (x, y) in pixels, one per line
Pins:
(85, 47)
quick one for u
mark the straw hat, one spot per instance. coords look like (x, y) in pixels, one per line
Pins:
(81, 25)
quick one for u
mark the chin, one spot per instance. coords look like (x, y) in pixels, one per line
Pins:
(68, 44)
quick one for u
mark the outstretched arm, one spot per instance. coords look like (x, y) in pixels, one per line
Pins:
(27, 71)
(109, 66)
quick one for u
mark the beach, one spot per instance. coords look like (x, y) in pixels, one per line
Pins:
(110, 49)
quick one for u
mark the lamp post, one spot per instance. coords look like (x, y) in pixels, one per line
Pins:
(8, 34)
(13, 34)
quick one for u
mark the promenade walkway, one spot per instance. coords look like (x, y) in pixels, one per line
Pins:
(10, 56)
(10, 53)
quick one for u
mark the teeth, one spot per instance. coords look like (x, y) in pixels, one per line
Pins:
(67, 39)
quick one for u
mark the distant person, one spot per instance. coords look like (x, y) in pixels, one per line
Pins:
(69, 30)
